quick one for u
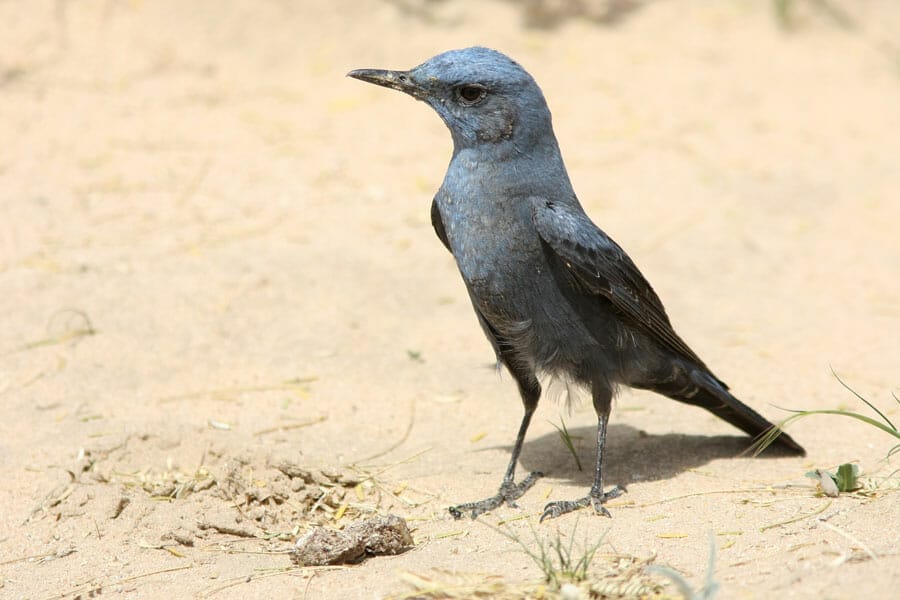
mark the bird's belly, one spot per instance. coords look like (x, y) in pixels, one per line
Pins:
(534, 316)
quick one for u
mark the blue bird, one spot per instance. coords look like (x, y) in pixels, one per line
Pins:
(554, 294)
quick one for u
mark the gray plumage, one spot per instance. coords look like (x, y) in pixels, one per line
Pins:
(553, 293)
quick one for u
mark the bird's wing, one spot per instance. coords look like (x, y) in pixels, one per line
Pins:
(602, 268)
(438, 224)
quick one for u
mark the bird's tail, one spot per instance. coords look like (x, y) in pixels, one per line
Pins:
(708, 392)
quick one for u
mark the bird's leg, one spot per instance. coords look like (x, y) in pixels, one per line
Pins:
(509, 491)
(596, 497)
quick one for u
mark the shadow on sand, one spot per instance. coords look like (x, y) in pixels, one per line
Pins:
(631, 455)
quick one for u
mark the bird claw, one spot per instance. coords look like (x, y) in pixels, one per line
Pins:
(561, 507)
(509, 492)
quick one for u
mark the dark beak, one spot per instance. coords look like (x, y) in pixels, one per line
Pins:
(396, 80)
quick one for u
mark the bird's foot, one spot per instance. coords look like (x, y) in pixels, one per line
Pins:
(561, 507)
(509, 492)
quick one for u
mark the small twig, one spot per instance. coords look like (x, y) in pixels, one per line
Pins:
(800, 518)
(398, 443)
(298, 384)
(75, 590)
(320, 501)
(709, 493)
(274, 573)
(84, 328)
(291, 426)
(57, 554)
(227, 529)
(386, 468)
(373, 477)
(852, 539)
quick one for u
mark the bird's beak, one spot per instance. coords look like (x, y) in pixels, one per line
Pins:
(396, 80)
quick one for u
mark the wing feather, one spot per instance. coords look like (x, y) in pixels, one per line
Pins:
(603, 269)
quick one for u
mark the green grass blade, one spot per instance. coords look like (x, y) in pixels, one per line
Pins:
(766, 440)
(567, 440)
(890, 429)
(869, 404)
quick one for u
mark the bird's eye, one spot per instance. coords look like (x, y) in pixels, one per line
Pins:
(470, 94)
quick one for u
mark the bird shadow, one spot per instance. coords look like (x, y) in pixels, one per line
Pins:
(631, 455)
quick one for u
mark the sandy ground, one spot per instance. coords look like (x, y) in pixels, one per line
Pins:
(216, 259)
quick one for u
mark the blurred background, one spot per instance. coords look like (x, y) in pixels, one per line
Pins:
(198, 208)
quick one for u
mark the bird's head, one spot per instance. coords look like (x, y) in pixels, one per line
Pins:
(483, 96)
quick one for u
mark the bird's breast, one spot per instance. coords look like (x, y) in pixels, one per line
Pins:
(497, 250)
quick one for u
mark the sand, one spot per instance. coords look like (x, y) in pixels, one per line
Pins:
(226, 318)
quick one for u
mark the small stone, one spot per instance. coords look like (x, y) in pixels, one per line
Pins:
(383, 535)
(380, 535)
(327, 547)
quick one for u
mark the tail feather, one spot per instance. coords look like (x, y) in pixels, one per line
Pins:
(714, 396)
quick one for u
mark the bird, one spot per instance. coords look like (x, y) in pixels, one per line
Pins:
(555, 295)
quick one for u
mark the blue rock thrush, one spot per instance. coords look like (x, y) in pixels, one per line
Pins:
(553, 293)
